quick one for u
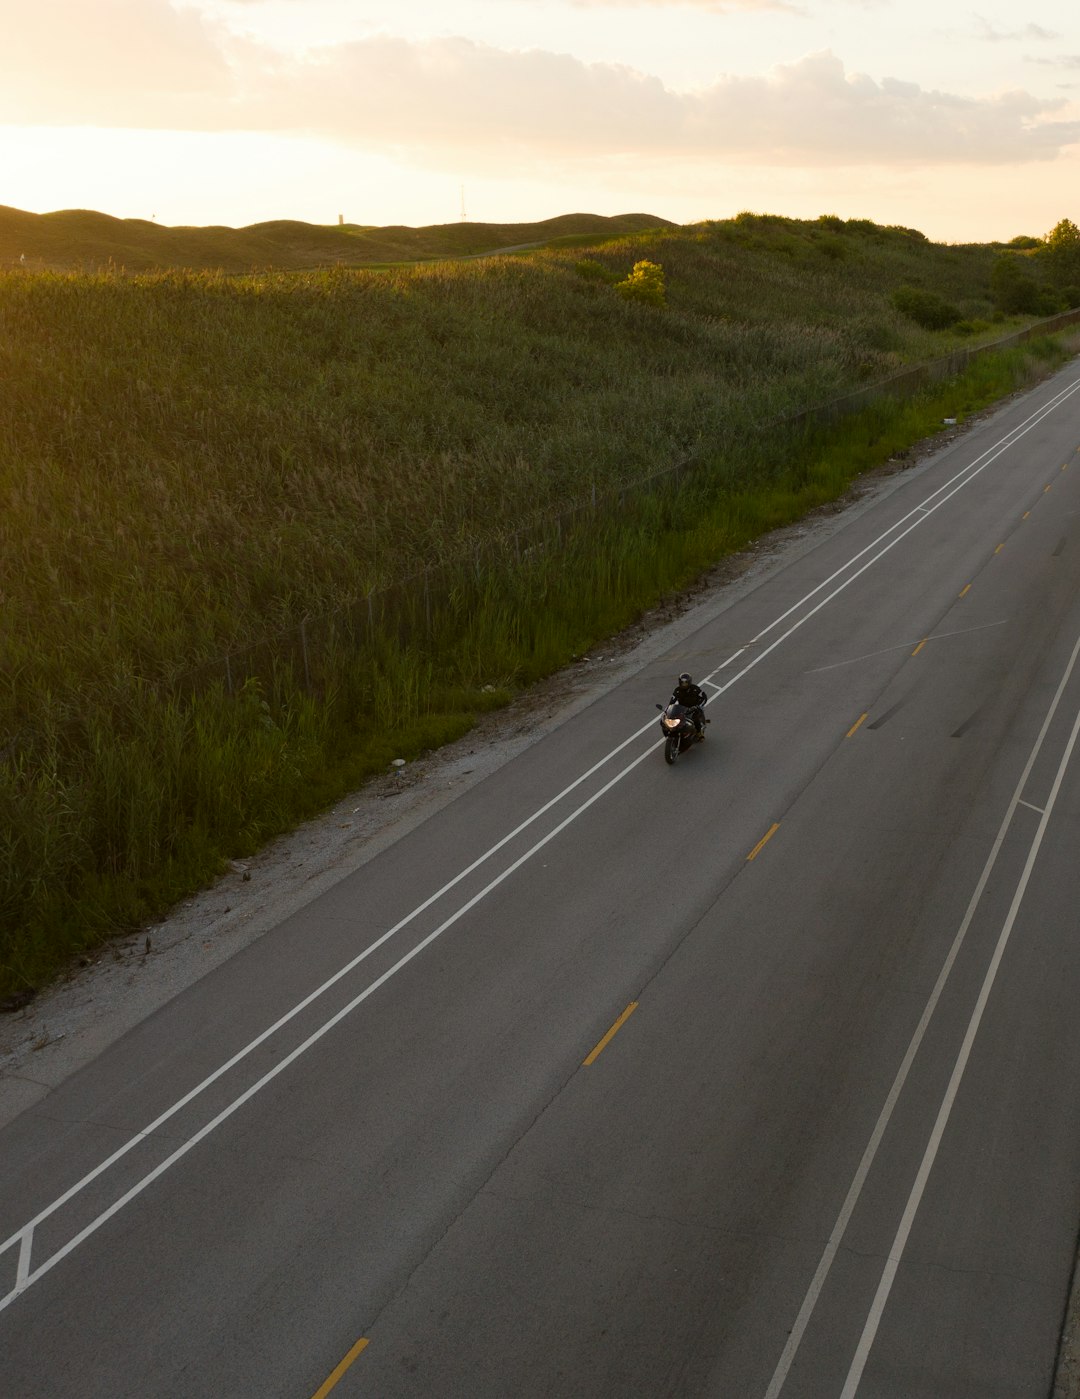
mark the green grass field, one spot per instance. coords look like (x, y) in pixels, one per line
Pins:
(192, 464)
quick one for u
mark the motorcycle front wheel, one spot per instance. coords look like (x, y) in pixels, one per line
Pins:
(671, 749)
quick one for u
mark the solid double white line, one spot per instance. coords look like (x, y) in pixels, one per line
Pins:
(26, 1274)
(896, 1252)
(859, 1180)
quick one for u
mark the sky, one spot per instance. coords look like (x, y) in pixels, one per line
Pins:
(961, 121)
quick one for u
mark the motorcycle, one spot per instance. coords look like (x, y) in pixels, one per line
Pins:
(679, 730)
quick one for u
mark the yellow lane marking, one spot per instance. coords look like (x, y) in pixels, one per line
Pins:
(760, 846)
(999, 548)
(855, 727)
(627, 1013)
(328, 1384)
(966, 590)
(1027, 514)
(921, 644)
(1047, 488)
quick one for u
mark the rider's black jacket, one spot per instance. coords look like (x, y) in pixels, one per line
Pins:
(692, 696)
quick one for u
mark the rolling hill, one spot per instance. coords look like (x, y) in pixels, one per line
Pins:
(262, 534)
(82, 239)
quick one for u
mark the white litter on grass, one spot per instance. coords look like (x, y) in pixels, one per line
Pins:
(398, 763)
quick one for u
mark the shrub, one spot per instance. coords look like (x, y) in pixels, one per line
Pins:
(911, 235)
(1012, 289)
(645, 283)
(925, 308)
(593, 271)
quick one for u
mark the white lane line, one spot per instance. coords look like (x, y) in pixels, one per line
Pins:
(896, 1252)
(855, 1190)
(971, 470)
(25, 1234)
(962, 478)
(1038, 809)
(903, 645)
(297, 1009)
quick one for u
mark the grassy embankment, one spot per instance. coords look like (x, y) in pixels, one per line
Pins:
(190, 463)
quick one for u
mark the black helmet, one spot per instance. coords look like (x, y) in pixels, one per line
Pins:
(684, 680)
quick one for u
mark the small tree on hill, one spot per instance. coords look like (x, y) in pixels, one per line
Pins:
(645, 283)
(1062, 254)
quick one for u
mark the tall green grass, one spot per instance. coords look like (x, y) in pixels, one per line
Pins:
(189, 464)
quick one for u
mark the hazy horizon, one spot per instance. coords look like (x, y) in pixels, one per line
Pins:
(962, 123)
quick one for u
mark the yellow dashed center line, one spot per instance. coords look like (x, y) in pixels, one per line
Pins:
(760, 846)
(921, 644)
(627, 1013)
(999, 548)
(856, 726)
(328, 1384)
(1047, 488)
(966, 590)
(1027, 514)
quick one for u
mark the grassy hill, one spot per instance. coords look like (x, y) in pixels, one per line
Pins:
(193, 464)
(82, 239)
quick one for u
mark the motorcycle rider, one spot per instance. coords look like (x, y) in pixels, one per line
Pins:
(693, 698)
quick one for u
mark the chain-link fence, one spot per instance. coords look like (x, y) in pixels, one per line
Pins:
(409, 607)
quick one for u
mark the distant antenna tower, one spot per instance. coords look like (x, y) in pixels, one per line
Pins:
(464, 218)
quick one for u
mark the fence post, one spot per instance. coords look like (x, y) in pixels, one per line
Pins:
(304, 648)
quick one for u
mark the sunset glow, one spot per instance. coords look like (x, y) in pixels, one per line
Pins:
(963, 124)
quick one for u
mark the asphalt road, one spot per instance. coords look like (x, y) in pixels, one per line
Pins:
(832, 1147)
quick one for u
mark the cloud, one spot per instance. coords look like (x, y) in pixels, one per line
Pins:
(454, 93)
(107, 63)
(718, 6)
(481, 107)
(1001, 36)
